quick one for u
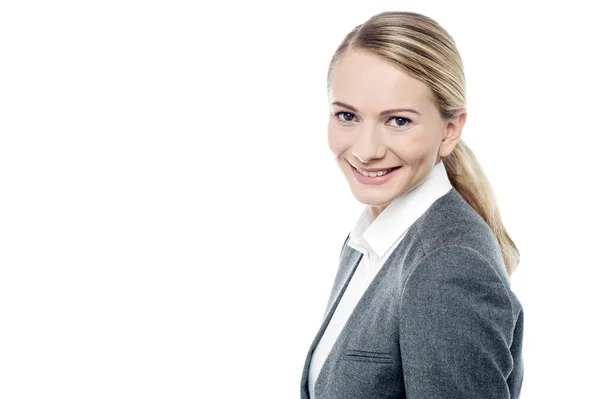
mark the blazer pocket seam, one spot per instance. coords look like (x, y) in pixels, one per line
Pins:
(368, 356)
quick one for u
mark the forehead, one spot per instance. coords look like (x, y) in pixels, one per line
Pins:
(369, 82)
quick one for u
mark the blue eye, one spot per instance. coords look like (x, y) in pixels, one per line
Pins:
(401, 121)
(344, 113)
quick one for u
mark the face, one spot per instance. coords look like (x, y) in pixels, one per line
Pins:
(382, 118)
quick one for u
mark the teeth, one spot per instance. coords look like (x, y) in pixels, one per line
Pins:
(374, 174)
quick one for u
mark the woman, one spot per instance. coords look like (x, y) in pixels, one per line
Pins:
(421, 306)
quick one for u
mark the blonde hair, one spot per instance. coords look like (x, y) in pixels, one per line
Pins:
(420, 46)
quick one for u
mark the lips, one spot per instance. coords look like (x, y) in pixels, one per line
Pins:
(377, 180)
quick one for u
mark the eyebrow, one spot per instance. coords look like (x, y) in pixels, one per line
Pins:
(386, 112)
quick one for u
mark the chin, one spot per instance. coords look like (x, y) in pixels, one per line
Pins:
(373, 200)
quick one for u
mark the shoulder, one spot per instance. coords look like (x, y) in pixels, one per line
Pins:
(456, 279)
(450, 223)
(459, 251)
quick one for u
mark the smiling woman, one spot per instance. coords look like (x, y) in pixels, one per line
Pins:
(421, 305)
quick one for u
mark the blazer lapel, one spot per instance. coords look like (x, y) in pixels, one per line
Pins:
(348, 264)
(349, 260)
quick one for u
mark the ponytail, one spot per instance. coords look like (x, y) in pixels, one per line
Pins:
(467, 177)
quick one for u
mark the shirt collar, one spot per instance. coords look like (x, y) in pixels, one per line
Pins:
(400, 214)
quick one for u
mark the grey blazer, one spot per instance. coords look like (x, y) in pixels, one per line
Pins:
(438, 321)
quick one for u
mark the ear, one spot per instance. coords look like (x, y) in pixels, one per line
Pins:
(452, 132)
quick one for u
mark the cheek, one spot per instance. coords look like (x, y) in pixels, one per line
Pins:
(338, 141)
(417, 148)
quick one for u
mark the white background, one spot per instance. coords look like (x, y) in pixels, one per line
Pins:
(171, 216)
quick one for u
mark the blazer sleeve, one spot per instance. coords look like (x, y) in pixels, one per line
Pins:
(456, 328)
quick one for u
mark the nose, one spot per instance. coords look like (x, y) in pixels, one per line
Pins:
(368, 145)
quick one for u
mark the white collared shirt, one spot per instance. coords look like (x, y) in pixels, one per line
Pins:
(377, 239)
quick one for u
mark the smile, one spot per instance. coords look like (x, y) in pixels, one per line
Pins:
(371, 178)
(375, 174)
